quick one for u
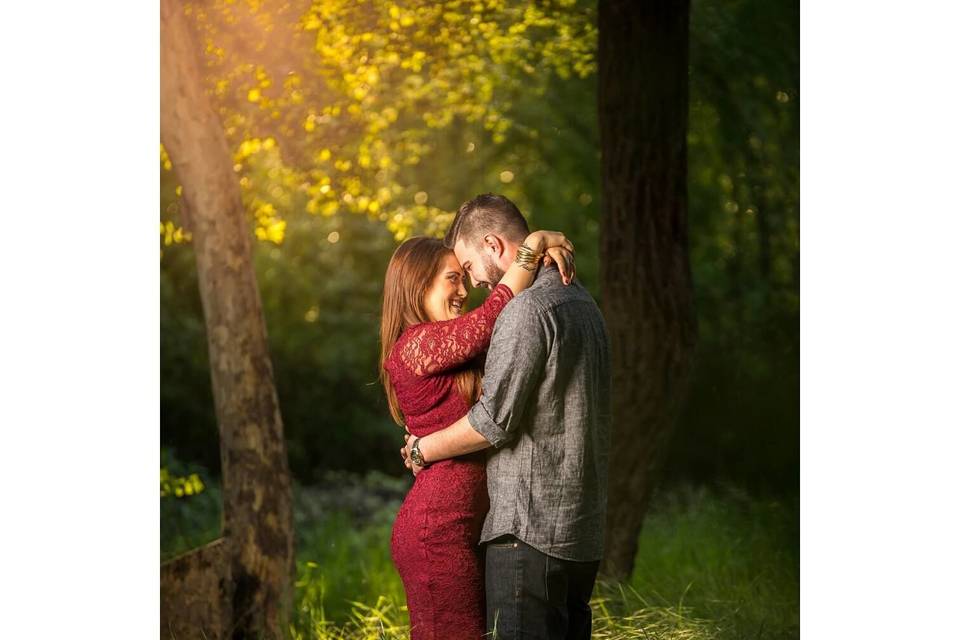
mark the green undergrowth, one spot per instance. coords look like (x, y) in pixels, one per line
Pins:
(713, 564)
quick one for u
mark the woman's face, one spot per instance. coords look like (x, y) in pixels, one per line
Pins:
(447, 293)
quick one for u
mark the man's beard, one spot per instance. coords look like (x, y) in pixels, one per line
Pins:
(493, 273)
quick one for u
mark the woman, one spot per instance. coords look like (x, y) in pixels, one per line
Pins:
(430, 370)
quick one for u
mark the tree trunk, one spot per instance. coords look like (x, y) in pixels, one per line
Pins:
(646, 287)
(190, 587)
(257, 511)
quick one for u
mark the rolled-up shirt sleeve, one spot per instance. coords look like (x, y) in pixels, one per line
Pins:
(514, 368)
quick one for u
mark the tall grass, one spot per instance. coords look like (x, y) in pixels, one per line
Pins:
(713, 564)
(727, 557)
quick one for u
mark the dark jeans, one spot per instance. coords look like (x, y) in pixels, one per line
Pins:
(532, 595)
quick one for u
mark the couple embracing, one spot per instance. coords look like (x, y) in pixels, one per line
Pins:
(508, 420)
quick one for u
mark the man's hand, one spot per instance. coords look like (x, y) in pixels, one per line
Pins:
(405, 453)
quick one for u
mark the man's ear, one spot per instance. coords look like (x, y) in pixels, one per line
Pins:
(493, 244)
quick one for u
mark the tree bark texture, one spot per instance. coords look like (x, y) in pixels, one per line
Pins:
(646, 287)
(190, 593)
(257, 501)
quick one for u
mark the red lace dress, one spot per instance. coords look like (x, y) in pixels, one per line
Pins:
(435, 535)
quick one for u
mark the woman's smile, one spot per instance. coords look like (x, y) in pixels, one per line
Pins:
(447, 295)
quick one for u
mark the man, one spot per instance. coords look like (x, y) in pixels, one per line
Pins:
(545, 411)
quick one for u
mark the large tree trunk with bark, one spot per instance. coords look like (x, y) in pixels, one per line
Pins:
(646, 287)
(257, 503)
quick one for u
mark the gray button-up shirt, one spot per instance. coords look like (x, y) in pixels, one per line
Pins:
(545, 407)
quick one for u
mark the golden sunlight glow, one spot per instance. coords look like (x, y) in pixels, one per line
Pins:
(506, 177)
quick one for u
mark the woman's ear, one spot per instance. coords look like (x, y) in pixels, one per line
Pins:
(494, 244)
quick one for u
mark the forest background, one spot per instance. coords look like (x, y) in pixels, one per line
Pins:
(331, 190)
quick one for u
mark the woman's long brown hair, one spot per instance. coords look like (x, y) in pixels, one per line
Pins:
(411, 271)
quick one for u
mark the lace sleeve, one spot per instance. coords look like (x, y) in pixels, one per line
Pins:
(433, 347)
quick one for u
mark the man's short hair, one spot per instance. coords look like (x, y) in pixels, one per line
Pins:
(487, 213)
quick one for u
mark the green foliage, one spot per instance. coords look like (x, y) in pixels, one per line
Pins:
(744, 164)
(343, 143)
(731, 558)
(189, 520)
(180, 487)
(742, 419)
(712, 565)
(321, 301)
(346, 95)
(322, 298)
(187, 419)
(343, 570)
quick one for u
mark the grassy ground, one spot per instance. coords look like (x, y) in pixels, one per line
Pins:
(713, 564)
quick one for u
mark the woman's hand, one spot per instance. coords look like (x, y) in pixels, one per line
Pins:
(558, 250)
(540, 241)
(564, 260)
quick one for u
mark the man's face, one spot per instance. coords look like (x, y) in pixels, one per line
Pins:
(480, 263)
